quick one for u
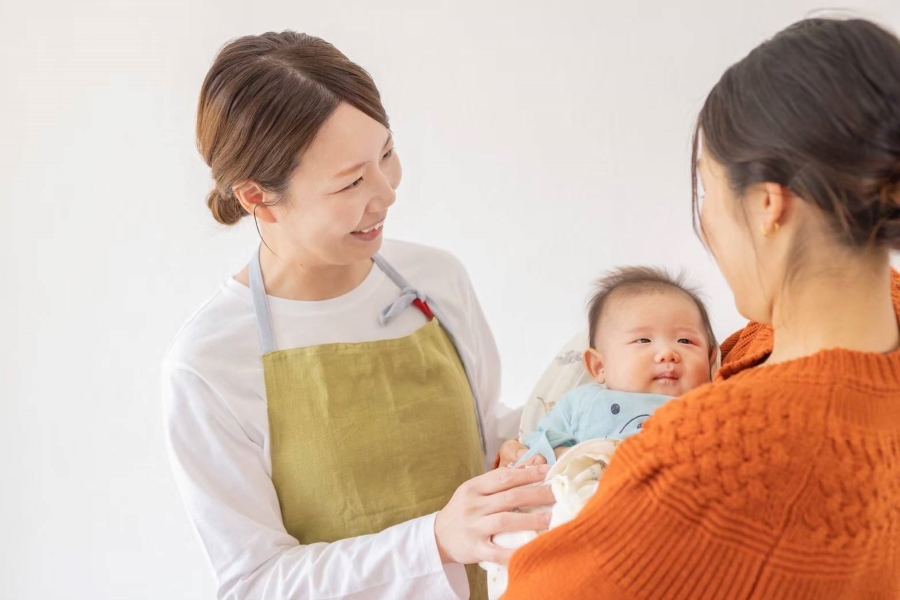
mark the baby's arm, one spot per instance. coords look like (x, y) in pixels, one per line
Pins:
(555, 430)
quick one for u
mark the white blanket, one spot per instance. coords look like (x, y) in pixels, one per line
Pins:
(574, 479)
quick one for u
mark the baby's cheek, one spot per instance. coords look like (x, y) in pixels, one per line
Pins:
(700, 374)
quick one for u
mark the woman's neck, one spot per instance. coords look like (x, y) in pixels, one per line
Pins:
(307, 280)
(849, 308)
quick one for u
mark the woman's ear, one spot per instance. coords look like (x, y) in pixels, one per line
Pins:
(774, 208)
(593, 362)
(254, 200)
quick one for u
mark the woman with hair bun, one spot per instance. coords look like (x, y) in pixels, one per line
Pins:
(329, 410)
(781, 479)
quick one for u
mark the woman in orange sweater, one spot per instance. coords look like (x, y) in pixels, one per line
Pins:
(782, 478)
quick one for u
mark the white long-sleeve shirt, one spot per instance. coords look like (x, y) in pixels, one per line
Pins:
(217, 433)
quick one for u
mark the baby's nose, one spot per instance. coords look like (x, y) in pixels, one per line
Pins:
(668, 355)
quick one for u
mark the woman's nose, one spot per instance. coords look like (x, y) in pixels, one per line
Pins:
(384, 195)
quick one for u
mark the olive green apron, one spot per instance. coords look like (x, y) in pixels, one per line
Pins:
(368, 435)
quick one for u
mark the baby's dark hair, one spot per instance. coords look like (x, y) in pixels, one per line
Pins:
(633, 281)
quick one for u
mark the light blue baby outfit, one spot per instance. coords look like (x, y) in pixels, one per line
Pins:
(589, 412)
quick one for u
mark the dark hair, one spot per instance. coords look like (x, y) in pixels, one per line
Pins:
(815, 109)
(262, 104)
(633, 281)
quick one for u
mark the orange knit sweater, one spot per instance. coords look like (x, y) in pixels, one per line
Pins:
(781, 481)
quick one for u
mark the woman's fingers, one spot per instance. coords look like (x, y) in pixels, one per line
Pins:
(496, 554)
(507, 522)
(520, 497)
(502, 479)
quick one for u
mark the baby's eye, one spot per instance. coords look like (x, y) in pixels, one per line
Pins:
(642, 341)
(685, 341)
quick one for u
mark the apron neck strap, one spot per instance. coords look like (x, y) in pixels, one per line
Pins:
(390, 271)
(261, 307)
(408, 296)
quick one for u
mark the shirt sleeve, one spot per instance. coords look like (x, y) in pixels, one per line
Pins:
(554, 430)
(500, 422)
(228, 492)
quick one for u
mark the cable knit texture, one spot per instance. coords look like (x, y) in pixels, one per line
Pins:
(779, 481)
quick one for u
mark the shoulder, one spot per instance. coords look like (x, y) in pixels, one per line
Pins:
(588, 400)
(435, 272)
(223, 327)
(593, 392)
(426, 266)
(417, 257)
(590, 392)
(725, 410)
(730, 445)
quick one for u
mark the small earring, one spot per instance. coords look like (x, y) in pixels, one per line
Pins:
(765, 231)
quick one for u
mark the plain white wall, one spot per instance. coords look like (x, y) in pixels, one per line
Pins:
(543, 142)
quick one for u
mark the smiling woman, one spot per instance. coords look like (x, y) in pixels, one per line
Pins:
(329, 409)
(333, 206)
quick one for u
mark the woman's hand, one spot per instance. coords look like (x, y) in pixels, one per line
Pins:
(485, 506)
(511, 451)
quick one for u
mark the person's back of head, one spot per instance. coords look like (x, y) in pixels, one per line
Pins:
(801, 136)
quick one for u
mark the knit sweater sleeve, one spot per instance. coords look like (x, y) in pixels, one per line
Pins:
(690, 508)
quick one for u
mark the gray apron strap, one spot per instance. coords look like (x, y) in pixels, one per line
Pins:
(261, 307)
(408, 294)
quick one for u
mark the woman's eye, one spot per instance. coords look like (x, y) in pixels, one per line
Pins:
(388, 154)
(353, 185)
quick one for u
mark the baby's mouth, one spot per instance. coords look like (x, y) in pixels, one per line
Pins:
(667, 376)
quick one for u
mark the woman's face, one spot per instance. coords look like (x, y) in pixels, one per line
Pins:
(338, 198)
(727, 228)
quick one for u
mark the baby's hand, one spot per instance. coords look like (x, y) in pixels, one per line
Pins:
(511, 451)
(534, 461)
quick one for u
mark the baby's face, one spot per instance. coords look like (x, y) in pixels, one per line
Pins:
(653, 343)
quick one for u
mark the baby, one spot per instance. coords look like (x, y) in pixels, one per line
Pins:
(650, 340)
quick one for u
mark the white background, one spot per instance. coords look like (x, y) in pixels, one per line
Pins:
(543, 142)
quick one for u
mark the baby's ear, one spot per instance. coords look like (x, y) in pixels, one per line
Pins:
(593, 362)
